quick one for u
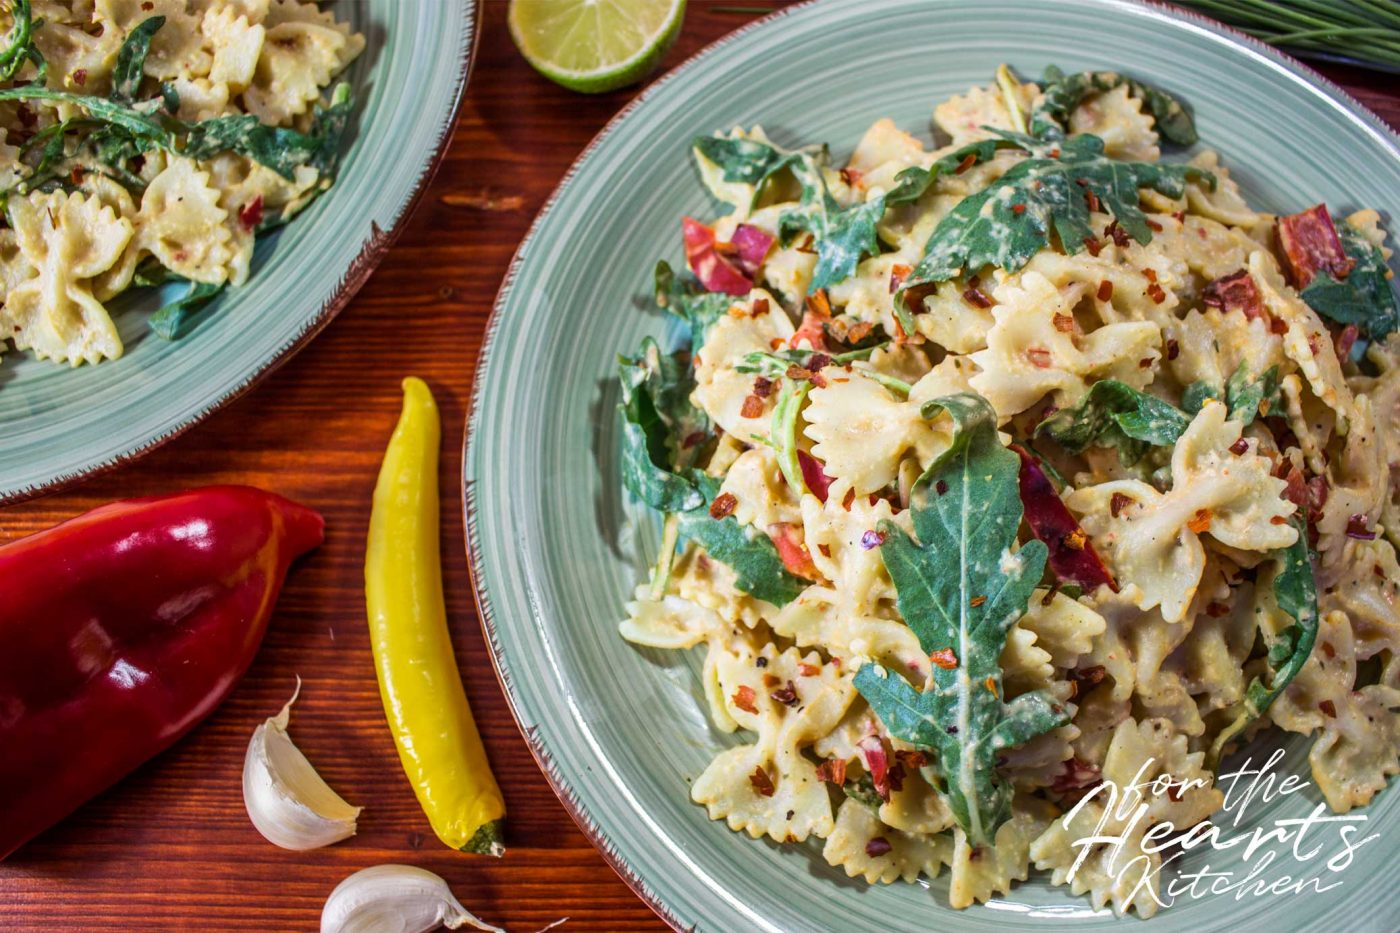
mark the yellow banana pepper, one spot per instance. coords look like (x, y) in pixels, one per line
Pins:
(438, 742)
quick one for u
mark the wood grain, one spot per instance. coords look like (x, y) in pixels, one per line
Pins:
(170, 847)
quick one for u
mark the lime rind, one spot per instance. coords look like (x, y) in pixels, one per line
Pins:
(613, 75)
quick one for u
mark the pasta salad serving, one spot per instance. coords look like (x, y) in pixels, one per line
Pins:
(996, 473)
(151, 141)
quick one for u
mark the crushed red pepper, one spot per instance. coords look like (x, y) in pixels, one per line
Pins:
(744, 697)
(723, 506)
(944, 658)
(762, 783)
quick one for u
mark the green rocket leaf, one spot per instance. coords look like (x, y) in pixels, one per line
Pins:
(1062, 93)
(1365, 297)
(657, 424)
(961, 586)
(750, 553)
(1114, 414)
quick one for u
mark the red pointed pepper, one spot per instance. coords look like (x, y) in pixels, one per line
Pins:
(125, 627)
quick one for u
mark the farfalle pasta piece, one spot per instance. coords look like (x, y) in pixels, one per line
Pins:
(668, 622)
(1152, 538)
(720, 389)
(83, 60)
(981, 873)
(237, 44)
(882, 153)
(177, 48)
(1212, 344)
(182, 224)
(1064, 628)
(864, 847)
(1116, 117)
(302, 50)
(69, 240)
(1118, 874)
(861, 431)
(844, 544)
(816, 618)
(762, 497)
(966, 117)
(1358, 484)
(769, 787)
(1034, 349)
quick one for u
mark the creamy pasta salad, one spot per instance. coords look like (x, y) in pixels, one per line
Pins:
(995, 472)
(149, 141)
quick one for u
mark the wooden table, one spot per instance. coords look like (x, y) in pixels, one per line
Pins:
(171, 846)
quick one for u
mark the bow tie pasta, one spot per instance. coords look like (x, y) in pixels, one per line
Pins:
(1012, 474)
(167, 135)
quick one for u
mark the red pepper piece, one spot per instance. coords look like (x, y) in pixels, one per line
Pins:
(125, 627)
(1310, 245)
(1236, 292)
(811, 330)
(712, 269)
(752, 244)
(813, 475)
(792, 550)
(1072, 555)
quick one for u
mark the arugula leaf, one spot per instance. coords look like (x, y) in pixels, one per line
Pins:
(1007, 223)
(1245, 395)
(131, 60)
(911, 183)
(961, 588)
(20, 47)
(1114, 414)
(1365, 297)
(170, 318)
(843, 236)
(746, 550)
(686, 299)
(1295, 591)
(750, 162)
(1062, 93)
(1195, 396)
(657, 419)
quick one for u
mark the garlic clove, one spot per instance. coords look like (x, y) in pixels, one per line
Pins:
(398, 898)
(286, 799)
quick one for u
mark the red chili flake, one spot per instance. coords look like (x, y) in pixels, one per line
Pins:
(723, 506)
(1328, 650)
(692, 439)
(819, 304)
(77, 175)
(80, 77)
(148, 6)
(1173, 349)
(1179, 216)
(1087, 677)
(1177, 792)
(1239, 447)
(872, 539)
(900, 335)
(773, 344)
(1091, 200)
(1328, 708)
(808, 670)
(898, 273)
(849, 499)
(1093, 245)
(760, 307)
(880, 845)
(1064, 323)
(1054, 153)
(1150, 274)
(944, 658)
(1152, 224)
(1315, 499)
(976, 601)
(1200, 522)
(786, 695)
(762, 386)
(1345, 341)
(743, 698)
(1315, 344)
(977, 298)
(859, 332)
(876, 756)
(1076, 777)
(1105, 290)
(940, 487)
(1076, 539)
(1018, 209)
(1145, 362)
(1115, 232)
(812, 330)
(825, 549)
(912, 760)
(1039, 357)
(832, 771)
(1154, 291)
(1119, 502)
(991, 684)
(799, 373)
(1217, 610)
(762, 783)
(1359, 527)
(1311, 246)
(27, 118)
(752, 407)
(851, 176)
(770, 680)
(806, 245)
(968, 161)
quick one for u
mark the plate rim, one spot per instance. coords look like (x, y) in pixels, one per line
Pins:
(372, 252)
(485, 610)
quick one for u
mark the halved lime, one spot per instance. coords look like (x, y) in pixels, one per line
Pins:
(594, 46)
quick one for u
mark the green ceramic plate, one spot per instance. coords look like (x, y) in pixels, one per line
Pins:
(59, 425)
(621, 732)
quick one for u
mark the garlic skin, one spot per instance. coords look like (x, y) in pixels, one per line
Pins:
(395, 899)
(286, 799)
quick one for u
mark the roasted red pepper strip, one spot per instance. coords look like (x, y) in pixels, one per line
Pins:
(712, 269)
(1310, 245)
(122, 629)
(1072, 555)
(1236, 292)
(813, 475)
